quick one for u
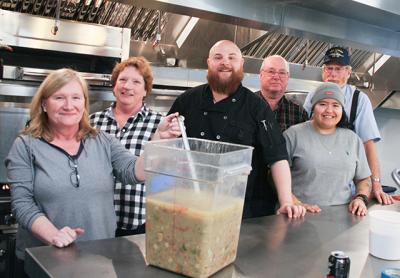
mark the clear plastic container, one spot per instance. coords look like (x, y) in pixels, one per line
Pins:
(384, 234)
(194, 204)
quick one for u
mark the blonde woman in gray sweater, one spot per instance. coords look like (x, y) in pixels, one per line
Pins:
(61, 170)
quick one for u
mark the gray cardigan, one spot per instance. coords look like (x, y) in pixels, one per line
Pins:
(40, 178)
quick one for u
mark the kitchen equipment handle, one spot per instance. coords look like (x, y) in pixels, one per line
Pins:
(24, 72)
(97, 78)
(44, 73)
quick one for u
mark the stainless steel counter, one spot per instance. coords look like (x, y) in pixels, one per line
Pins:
(273, 246)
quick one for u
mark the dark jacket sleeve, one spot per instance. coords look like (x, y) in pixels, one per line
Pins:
(177, 106)
(269, 135)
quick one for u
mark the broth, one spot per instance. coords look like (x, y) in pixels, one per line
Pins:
(192, 233)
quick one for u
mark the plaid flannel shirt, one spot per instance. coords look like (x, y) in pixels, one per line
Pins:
(288, 113)
(129, 200)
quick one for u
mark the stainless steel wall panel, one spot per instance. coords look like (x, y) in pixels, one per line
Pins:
(17, 89)
(126, 43)
(12, 120)
(393, 102)
(388, 121)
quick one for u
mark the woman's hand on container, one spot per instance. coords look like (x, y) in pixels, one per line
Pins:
(358, 207)
(66, 236)
(292, 211)
(168, 128)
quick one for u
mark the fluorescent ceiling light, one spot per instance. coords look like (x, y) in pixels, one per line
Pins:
(186, 31)
(378, 64)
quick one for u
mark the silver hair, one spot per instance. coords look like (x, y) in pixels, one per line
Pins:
(275, 56)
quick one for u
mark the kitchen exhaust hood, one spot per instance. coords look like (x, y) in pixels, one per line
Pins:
(370, 25)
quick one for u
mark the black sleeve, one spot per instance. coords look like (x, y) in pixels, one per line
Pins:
(177, 106)
(269, 135)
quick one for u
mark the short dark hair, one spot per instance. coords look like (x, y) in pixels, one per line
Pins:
(344, 121)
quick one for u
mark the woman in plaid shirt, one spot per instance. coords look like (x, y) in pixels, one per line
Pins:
(132, 123)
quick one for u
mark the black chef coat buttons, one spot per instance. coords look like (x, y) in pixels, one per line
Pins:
(218, 137)
(205, 113)
(225, 117)
(234, 100)
(202, 133)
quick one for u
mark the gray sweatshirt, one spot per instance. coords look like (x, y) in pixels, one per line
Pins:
(40, 177)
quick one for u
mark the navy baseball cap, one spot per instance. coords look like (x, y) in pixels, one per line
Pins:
(337, 55)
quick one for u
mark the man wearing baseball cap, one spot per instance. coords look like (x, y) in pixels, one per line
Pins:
(337, 69)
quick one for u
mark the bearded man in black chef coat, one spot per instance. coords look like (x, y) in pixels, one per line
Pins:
(224, 110)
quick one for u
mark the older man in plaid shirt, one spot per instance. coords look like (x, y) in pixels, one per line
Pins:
(274, 77)
(131, 122)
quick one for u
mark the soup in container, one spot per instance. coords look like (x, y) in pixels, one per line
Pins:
(194, 204)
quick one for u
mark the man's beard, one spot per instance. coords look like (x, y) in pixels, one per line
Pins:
(227, 86)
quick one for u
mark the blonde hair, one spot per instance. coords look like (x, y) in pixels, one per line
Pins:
(39, 124)
(142, 65)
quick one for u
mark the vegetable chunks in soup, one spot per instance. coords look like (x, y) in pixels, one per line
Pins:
(192, 233)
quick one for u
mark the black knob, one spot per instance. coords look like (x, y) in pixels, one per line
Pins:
(9, 219)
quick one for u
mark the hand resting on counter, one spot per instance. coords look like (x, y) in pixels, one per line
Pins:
(292, 211)
(43, 229)
(66, 236)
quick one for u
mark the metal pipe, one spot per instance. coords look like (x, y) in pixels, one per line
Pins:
(56, 26)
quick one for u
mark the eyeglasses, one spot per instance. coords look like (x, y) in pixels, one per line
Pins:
(282, 74)
(74, 176)
(334, 68)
